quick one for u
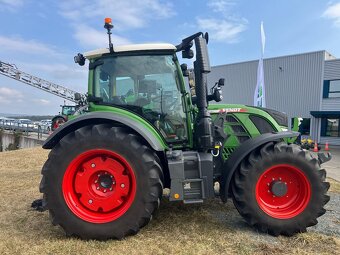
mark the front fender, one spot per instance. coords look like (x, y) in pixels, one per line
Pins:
(230, 166)
(143, 128)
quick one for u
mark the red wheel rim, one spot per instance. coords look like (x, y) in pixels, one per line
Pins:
(99, 186)
(293, 201)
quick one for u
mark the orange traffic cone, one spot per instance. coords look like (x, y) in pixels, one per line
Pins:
(315, 147)
(326, 146)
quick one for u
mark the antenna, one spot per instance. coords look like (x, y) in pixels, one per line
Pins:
(108, 25)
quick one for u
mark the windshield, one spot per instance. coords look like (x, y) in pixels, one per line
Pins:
(147, 85)
(68, 109)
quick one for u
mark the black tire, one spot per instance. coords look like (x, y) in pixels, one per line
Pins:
(252, 169)
(143, 161)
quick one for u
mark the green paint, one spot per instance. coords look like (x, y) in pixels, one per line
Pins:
(186, 99)
(118, 111)
(241, 113)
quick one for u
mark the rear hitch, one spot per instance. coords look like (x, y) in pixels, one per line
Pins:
(323, 158)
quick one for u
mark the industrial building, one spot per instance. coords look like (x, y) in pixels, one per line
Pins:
(304, 85)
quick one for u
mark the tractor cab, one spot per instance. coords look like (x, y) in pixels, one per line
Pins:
(145, 82)
(67, 110)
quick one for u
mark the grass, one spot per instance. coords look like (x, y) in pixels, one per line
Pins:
(210, 228)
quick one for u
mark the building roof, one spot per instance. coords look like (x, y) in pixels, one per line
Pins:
(131, 47)
(327, 57)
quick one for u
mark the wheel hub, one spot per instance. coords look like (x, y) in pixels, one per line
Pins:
(279, 188)
(105, 181)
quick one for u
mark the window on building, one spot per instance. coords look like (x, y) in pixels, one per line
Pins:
(331, 89)
(330, 127)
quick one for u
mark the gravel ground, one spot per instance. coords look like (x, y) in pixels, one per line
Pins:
(329, 223)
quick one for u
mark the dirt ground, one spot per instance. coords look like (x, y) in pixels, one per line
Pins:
(210, 228)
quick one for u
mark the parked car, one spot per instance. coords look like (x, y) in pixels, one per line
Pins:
(25, 124)
(46, 125)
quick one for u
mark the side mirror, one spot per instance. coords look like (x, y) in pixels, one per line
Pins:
(185, 71)
(79, 59)
(188, 54)
(77, 96)
(216, 95)
(216, 91)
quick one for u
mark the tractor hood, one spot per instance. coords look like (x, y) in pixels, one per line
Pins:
(278, 120)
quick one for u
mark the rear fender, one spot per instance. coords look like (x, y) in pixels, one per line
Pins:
(229, 167)
(143, 128)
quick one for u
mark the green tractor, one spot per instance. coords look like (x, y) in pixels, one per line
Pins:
(69, 112)
(143, 132)
(63, 116)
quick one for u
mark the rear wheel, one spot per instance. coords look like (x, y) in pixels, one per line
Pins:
(280, 189)
(57, 122)
(101, 182)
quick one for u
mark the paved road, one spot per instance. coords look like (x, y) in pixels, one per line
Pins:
(333, 166)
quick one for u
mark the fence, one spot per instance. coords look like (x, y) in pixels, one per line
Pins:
(27, 129)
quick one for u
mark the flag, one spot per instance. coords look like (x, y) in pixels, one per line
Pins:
(259, 95)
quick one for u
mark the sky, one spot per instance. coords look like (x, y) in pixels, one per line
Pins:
(41, 37)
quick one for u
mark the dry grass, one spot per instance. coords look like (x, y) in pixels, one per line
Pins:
(211, 228)
(335, 185)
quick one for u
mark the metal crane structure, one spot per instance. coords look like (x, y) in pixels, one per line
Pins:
(11, 71)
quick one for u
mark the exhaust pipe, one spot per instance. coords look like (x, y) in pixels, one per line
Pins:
(203, 125)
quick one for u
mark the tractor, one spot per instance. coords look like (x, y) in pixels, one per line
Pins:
(63, 116)
(69, 112)
(143, 132)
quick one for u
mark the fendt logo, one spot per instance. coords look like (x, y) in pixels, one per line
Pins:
(223, 110)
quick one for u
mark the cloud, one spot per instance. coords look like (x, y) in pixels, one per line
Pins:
(12, 3)
(225, 28)
(41, 101)
(18, 44)
(8, 96)
(222, 30)
(333, 12)
(125, 14)
(220, 5)
(90, 37)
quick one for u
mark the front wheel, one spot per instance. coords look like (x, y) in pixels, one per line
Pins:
(101, 182)
(280, 189)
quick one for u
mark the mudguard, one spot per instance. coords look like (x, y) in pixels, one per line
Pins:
(105, 117)
(242, 151)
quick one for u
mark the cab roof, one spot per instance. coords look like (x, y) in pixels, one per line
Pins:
(132, 47)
